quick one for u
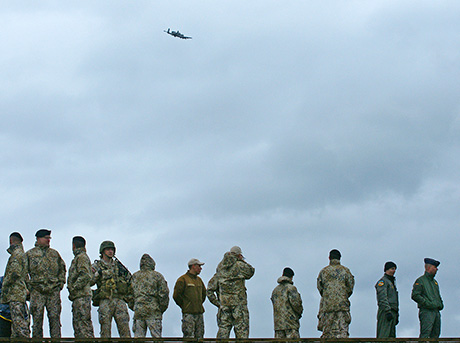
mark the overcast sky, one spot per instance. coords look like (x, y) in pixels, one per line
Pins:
(289, 128)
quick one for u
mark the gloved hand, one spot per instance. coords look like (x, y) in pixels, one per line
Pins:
(389, 316)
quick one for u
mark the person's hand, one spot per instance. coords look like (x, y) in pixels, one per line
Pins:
(389, 316)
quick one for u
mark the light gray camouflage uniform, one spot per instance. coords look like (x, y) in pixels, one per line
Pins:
(151, 298)
(335, 284)
(113, 293)
(14, 291)
(229, 284)
(47, 278)
(287, 309)
(79, 286)
(212, 292)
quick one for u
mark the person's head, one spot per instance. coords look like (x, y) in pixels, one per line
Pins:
(43, 237)
(288, 272)
(236, 250)
(107, 249)
(15, 238)
(390, 268)
(195, 266)
(78, 242)
(334, 254)
(431, 266)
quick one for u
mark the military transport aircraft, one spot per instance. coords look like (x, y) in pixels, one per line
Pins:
(176, 34)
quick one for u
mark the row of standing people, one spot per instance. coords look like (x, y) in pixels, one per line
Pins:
(40, 274)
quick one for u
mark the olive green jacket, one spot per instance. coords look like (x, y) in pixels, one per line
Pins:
(425, 293)
(190, 293)
(387, 294)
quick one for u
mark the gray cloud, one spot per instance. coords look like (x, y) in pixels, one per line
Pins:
(287, 129)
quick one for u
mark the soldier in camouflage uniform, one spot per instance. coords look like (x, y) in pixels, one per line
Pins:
(47, 278)
(79, 286)
(425, 293)
(14, 290)
(151, 298)
(212, 292)
(287, 307)
(113, 292)
(229, 285)
(335, 285)
(387, 299)
(5, 316)
(190, 294)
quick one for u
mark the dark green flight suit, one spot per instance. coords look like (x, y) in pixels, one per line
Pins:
(387, 299)
(428, 298)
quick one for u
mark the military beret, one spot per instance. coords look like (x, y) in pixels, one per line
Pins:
(42, 233)
(431, 261)
(389, 265)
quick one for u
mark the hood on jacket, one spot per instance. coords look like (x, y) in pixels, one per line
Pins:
(284, 279)
(147, 262)
(228, 261)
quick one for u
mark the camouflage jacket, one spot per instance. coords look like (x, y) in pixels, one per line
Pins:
(46, 269)
(113, 280)
(80, 275)
(387, 294)
(14, 281)
(5, 312)
(287, 305)
(229, 281)
(335, 284)
(212, 292)
(151, 292)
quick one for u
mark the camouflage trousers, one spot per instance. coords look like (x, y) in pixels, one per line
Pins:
(291, 333)
(334, 324)
(236, 317)
(117, 309)
(154, 325)
(52, 303)
(192, 325)
(81, 318)
(20, 321)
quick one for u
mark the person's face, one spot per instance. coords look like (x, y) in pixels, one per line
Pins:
(109, 252)
(196, 269)
(391, 271)
(429, 268)
(44, 241)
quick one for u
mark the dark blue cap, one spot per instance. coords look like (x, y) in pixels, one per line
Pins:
(431, 261)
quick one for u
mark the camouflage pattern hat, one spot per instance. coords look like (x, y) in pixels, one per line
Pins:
(106, 245)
